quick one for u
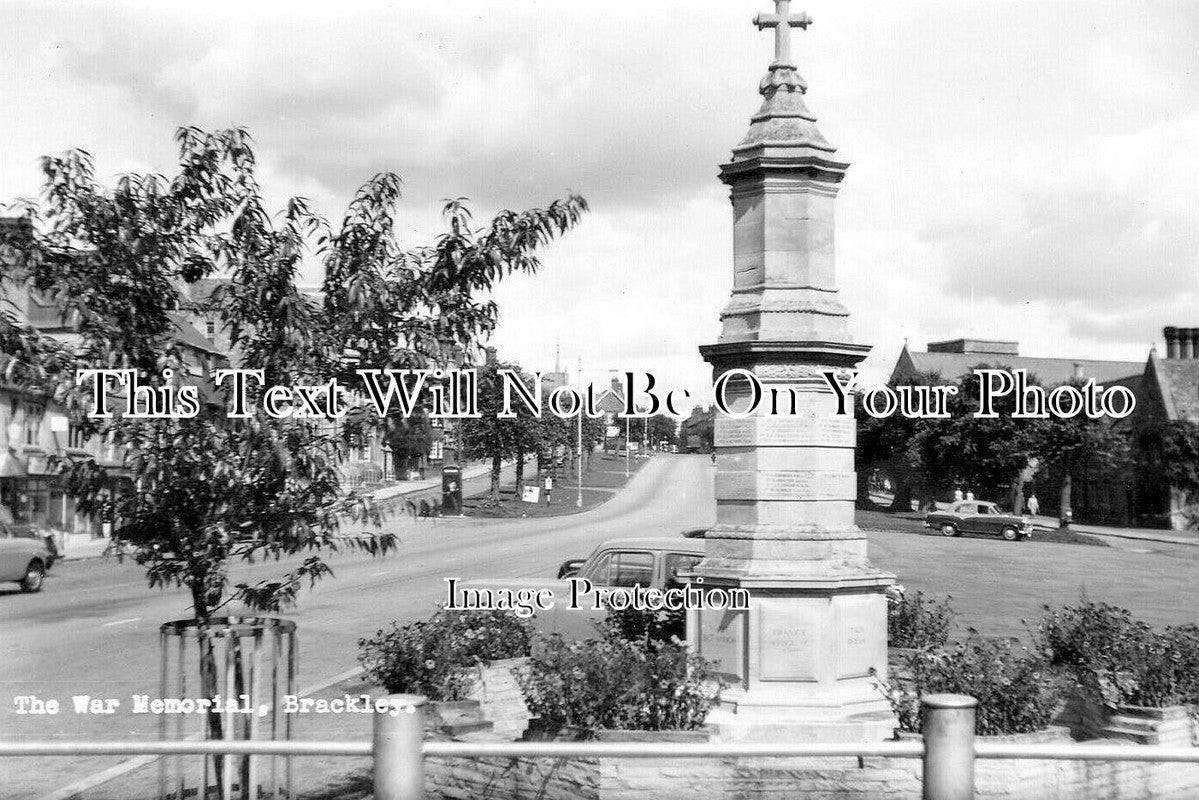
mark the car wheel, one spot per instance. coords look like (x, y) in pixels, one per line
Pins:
(1010, 534)
(949, 529)
(32, 582)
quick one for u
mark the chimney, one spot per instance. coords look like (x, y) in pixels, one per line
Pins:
(1194, 338)
(1078, 375)
(1171, 335)
(1186, 343)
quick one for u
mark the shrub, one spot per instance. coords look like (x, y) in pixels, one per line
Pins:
(1120, 659)
(1084, 635)
(438, 657)
(637, 676)
(1016, 692)
(613, 683)
(918, 623)
(651, 629)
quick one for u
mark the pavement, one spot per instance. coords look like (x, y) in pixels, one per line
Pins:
(1186, 538)
(406, 489)
(1046, 522)
(80, 547)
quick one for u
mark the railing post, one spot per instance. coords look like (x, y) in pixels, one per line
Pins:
(399, 734)
(948, 725)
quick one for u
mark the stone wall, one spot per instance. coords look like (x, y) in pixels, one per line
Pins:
(499, 695)
(814, 778)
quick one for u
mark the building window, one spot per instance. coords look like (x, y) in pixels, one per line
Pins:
(436, 450)
(76, 437)
(210, 329)
(33, 423)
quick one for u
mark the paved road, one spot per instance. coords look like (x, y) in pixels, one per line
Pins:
(93, 629)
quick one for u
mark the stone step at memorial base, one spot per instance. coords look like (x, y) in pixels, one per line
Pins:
(1168, 726)
(458, 718)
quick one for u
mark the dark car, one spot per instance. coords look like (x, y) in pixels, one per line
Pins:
(977, 516)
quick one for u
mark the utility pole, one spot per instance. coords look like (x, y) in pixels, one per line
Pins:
(628, 429)
(579, 442)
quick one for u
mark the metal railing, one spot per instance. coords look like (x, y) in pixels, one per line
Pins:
(948, 749)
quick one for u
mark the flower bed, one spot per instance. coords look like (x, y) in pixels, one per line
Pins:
(439, 658)
(1016, 692)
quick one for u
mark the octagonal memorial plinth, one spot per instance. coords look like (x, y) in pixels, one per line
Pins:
(805, 659)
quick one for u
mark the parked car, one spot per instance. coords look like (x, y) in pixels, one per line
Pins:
(26, 531)
(978, 516)
(617, 565)
(23, 559)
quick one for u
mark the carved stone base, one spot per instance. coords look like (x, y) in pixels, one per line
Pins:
(728, 726)
(808, 654)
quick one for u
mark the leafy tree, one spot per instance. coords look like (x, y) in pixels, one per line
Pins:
(663, 428)
(1074, 442)
(928, 456)
(894, 446)
(409, 439)
(984, 455)
(389, 308)
(204, 492)
(490, 436)
(1180, 455)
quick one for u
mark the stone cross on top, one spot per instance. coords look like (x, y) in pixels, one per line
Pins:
(782, 20)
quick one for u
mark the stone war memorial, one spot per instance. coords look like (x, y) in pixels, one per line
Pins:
(802, 662)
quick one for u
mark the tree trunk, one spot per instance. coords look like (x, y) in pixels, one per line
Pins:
(209, 688)
(496, 467)
(864, 489)
(1017, 498)
(520, 471)
(1065, 513)
(209, 683)
(903, 495)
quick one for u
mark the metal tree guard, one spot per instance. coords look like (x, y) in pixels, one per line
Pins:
(254, 664)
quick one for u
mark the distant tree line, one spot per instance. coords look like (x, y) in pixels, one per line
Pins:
(929, 458)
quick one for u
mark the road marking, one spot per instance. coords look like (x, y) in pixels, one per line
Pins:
(384, 572)
(121, 622)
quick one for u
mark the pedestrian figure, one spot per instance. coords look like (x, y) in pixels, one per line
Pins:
(957, 495)
(548, 486)
(969, 495)
(1034, 505)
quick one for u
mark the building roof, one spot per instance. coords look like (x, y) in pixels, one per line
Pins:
(1049, 371)
(610, 401)
(186, 334)
(200, 291)
(1177, 382)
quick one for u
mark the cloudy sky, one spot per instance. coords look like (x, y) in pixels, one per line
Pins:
(1020, 170)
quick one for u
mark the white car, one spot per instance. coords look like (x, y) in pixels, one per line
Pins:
(23, 559)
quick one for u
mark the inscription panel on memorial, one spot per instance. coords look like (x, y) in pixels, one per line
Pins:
(785, 484)
(861, 624)
(806, 431)
(788, 641)
(722, 641)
